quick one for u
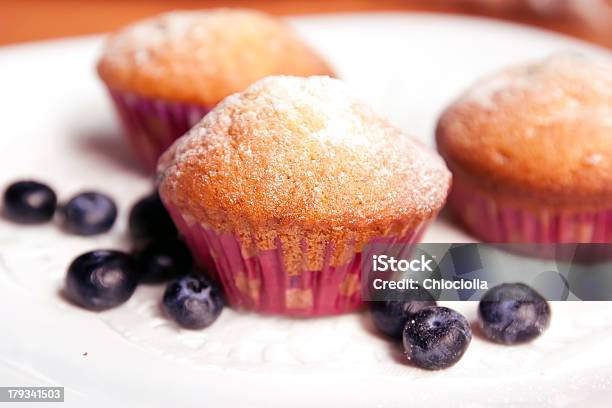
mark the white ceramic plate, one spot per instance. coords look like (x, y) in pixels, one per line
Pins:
(57, 125)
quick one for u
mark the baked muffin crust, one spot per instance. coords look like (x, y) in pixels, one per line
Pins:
(203, 56)
(302, 153)
(540, 132)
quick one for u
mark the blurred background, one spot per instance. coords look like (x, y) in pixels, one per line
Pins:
(29, 20)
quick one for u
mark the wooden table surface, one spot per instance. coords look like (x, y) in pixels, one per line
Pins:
(29, 20)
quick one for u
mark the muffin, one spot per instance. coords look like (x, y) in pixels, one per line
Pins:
(165, 73)
(280, 187)
(530, 149)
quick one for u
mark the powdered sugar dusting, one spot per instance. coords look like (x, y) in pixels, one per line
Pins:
(594, 159)
(151, 33)
(325, 99)
(485, 91)
(306, 149)
(543, 79)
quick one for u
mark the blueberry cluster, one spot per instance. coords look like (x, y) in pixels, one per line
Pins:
(31, 202)
(433, 337)
(103, 279)
(436, 337)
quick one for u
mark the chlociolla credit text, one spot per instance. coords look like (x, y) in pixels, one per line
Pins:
(386, 263)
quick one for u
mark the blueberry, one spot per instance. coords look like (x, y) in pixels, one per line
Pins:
(436, 337)
(194, 302)
(513, 313)
(101, 279)
(150, 219)
(29, 202)
(390, 316)
(162, 260)
(89, 213)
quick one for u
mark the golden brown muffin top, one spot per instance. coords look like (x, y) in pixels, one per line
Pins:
(542, 131)
(203, 56)
(301, 152)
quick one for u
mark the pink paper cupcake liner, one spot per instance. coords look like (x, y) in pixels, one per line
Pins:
(261, 282)
(492, 221)
(152, 125)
